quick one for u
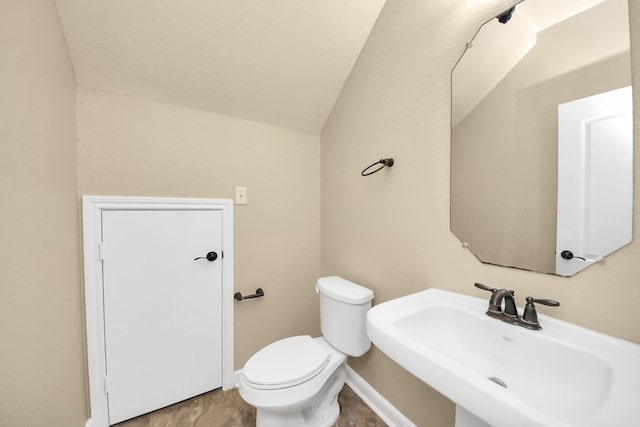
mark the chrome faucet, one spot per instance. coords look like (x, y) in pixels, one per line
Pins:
(529, 318)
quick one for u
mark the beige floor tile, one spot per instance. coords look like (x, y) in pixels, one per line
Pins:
(227, 409)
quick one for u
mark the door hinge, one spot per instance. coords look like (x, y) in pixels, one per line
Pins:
(106, 385)
(101, 251)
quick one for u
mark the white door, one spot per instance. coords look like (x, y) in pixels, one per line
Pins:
(162, 308)
(595, 178)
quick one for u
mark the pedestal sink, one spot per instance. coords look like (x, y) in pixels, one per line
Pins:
(506, 375)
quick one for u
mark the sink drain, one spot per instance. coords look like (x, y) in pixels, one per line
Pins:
(498, 381)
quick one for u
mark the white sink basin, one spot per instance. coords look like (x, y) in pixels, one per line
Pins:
(562, 375)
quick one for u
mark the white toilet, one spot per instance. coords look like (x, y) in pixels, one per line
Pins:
(295, 381)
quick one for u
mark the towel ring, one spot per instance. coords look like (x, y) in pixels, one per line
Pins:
(383, 162)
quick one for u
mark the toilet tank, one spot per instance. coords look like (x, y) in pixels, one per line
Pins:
(343, 311)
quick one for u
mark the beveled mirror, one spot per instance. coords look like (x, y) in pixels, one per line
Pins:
(541, 139)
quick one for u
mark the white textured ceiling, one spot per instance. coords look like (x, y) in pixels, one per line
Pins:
(282, 62)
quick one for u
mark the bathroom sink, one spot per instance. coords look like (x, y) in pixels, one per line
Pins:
(506, 375)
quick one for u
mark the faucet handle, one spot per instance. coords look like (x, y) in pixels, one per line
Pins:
(484, 287)
(492, 290)
(530, 317)
(548, 302)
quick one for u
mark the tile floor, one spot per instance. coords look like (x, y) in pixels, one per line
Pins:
(227, 409)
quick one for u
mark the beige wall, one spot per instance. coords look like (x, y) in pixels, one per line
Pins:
(390, 231)
(133, 147)
(504, 168)
(42, 364)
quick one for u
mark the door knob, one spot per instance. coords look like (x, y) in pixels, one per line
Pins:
(570, 255)
(211, 256)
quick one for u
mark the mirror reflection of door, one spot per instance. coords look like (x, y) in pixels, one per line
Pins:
(595, 178)
(506, 89)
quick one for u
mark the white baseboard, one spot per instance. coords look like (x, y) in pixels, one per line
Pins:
(236, 378)
(381, 406)
(88, 423)
(368, 394)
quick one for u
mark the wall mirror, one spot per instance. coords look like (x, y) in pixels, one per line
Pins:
(541, 139)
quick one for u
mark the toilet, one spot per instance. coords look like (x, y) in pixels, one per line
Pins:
(295, 381)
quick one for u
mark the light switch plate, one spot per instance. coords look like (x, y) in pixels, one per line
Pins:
(241, 195)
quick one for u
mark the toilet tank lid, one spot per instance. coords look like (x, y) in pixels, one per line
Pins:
(343, 290)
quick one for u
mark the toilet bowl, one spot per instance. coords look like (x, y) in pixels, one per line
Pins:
(295, 381)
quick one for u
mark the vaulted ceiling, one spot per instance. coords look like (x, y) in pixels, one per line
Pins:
(282, 62)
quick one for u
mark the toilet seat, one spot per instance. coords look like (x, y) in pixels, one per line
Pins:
(286, 363)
